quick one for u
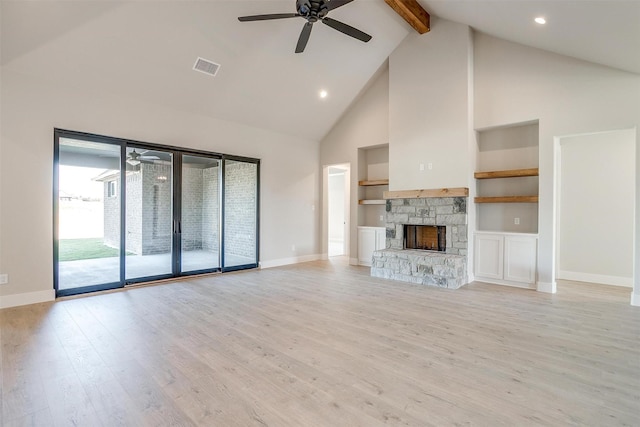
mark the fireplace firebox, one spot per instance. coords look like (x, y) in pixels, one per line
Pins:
(425, 237)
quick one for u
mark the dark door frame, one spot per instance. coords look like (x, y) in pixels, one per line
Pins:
(177, 153)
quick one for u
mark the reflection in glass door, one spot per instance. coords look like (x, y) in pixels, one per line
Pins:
(240, 246)
(87, 236)
(199, 214)
(149, 213)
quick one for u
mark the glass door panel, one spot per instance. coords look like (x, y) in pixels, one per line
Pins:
(88, 206)
(240, 214)
(149, 213)
(200, 214)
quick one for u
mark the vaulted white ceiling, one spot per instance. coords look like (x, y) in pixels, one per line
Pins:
(146, 49)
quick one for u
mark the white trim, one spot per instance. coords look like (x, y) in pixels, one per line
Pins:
(353, 261)
(288, 261)
(505, 283)
(635, 299)
(550, 288)
(27, 298)
(324, 257)
(596, 278)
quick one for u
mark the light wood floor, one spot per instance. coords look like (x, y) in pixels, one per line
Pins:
(323, 344)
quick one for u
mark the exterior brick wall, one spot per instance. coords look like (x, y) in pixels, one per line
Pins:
(133, 234)
(157, 219)
(200, 208)
(149, 209)
(240, 208)
(192, 196)
(211, 209)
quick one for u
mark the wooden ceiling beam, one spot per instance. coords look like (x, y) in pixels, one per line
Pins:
(413, 13)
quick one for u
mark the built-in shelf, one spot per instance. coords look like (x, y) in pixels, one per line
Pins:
(507, 199)
(513, 173)
(372, 202)
(373, 182)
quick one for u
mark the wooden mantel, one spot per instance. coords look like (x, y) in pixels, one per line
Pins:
(434, 192)
(413, 13)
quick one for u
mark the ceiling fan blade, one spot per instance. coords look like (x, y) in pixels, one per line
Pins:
(304, 37)
(334, 4)
(267, 17)
(347, 29)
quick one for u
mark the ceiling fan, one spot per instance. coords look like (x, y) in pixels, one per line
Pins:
(134, 158)
(313, 11)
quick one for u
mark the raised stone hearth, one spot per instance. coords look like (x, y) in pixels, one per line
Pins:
(421, 267)
(444, 269)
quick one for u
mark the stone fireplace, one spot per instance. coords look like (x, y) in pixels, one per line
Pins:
(434, 255)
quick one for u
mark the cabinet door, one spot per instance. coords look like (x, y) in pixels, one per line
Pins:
(381, 238)
(366, 245)
(520, 255)
(488, 256)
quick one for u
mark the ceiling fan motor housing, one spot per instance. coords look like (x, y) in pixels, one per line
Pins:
(311, 9)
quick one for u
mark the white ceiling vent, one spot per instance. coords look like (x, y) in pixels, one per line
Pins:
(206, 66)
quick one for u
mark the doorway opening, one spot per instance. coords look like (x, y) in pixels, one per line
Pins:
(338, 180)
(595, 188)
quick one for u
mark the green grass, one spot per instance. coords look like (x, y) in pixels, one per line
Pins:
(76, 249)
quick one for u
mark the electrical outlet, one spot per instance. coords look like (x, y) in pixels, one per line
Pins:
(516, 221)
(4, 279)
(381, 218)
(430, 166)
(293, 248)
(421, 167)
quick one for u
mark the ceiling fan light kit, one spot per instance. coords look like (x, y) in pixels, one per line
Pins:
(313, 11)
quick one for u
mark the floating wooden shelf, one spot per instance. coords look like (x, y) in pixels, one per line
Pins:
(513, 173)
(373, 182)
(419, 194)
(372, 202)
(507, 199)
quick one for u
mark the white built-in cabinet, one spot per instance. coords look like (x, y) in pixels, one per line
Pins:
(506, 258)
(506, 240)
(370, 239)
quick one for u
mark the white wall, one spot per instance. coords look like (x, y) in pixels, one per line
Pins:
(596, 207)
(290, 180)
(514, 83)
(429, 117)
(365, 124)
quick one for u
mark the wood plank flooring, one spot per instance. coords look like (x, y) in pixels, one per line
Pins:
(323, 344)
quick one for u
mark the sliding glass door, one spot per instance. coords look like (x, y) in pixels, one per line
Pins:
(149, 214)
(87, 236)
(240, 214)
(200, 214)
(128, 212)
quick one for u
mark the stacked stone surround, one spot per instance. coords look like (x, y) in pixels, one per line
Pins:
(446, 269)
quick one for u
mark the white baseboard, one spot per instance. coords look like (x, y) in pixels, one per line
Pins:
(325, 257)
(288, 261)
(353, 261)
(596, 278)
(635, 299)
(27, 298)
(547, 287)
(505, 283)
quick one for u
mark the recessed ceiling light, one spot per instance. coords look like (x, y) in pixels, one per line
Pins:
(540, 20)
(323, 94)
